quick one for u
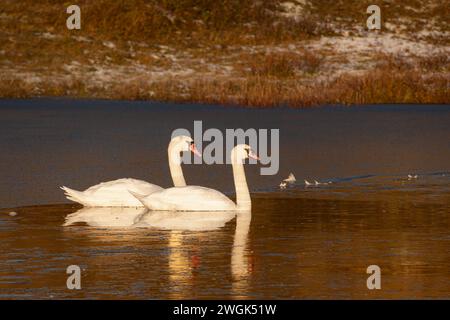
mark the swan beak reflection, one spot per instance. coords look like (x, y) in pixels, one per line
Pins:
(194, 150)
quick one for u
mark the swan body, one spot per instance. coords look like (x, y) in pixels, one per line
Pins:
(307, 183)
(196, 198)
(116, 193)
(111, 193)
(190, 198)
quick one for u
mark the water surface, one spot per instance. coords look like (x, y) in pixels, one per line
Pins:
(302, 242)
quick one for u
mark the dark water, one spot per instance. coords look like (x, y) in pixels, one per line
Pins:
(302, 242)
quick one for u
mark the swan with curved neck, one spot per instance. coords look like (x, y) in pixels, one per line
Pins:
(196, 198)
(116, 193)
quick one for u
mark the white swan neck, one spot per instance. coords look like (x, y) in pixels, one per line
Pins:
(176, 171)
(243, 200)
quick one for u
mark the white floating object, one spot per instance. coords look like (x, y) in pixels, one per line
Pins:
(410, 176)
(290, 178)
(316, 183)
(283, 185)
(13, 214)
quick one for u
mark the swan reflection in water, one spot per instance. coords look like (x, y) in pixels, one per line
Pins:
(182, 226)
(143, 218)
(105, 217)
(241, 263)
(185, 221)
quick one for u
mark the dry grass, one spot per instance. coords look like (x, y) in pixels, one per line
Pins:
(438, 63)
(385, 86)
(168, 21)
(285, 64)
(379, 86)
(38, 54)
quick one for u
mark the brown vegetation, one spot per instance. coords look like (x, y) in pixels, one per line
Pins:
(231, 52)
(379, 86)
(285, 65)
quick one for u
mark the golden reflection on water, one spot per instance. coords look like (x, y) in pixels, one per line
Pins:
(180, 269)
(288, 247)
(240, 261)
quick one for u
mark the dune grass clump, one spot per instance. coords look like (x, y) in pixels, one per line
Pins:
(285, 64)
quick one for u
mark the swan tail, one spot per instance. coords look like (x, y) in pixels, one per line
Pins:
(291, 177)
(74, 195)
(138, 196)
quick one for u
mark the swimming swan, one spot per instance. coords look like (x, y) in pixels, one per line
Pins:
(196, 198)
(116, 193)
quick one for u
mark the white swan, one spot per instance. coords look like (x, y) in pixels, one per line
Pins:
(196, 198)
(115, 193)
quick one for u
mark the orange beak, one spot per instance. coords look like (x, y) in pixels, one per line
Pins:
(194, 150)
(253, 155)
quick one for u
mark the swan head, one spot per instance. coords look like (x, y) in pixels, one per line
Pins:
(242, 152)
(181, 144)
